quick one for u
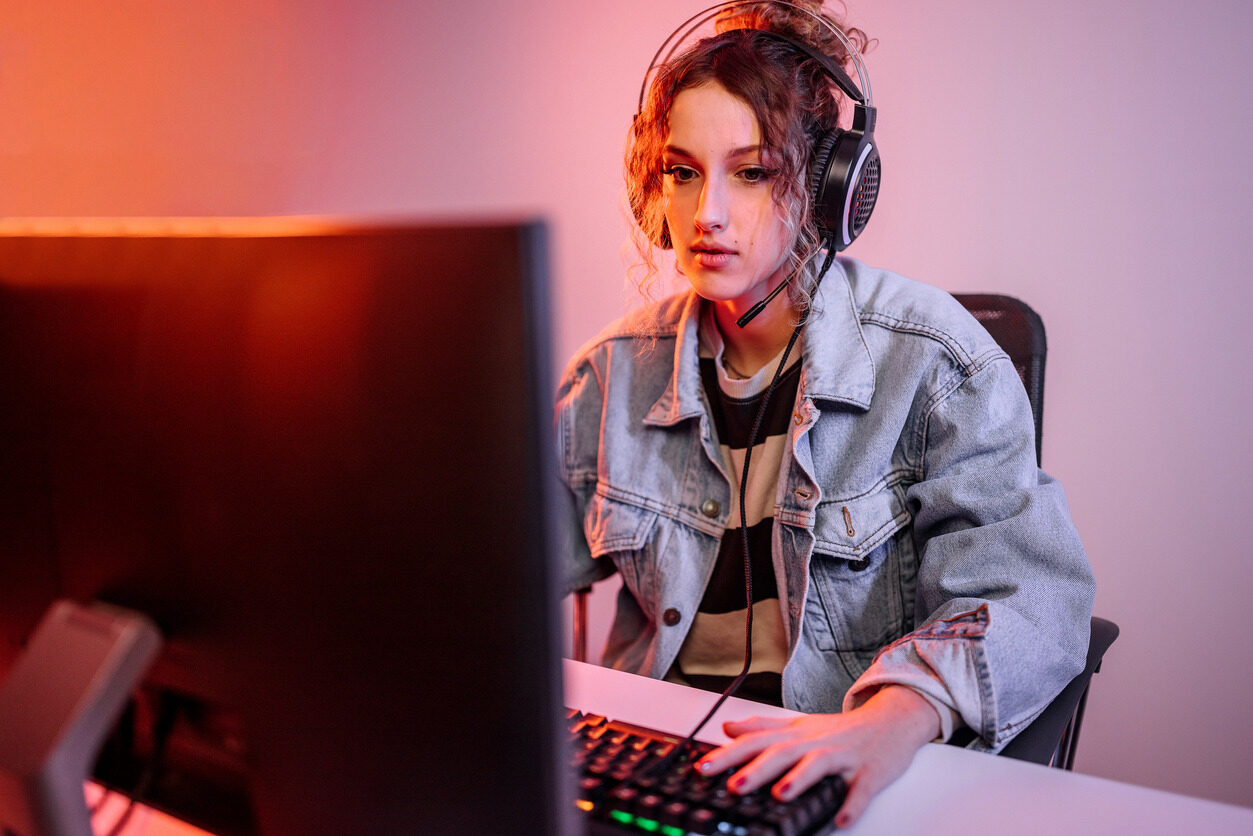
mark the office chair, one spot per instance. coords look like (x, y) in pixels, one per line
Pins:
(1053, 737)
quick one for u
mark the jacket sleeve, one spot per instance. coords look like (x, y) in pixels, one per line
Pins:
(576, 420)
(1005, 591)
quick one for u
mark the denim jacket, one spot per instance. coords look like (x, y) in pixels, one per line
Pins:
(915, 542)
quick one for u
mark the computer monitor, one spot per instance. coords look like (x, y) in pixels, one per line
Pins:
(316, 454)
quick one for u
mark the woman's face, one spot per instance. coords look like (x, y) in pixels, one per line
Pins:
(728, 233)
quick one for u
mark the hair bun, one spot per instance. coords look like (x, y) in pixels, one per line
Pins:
(790, 19)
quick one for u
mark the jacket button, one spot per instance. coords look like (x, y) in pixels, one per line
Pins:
(671, 617)
(710, 508)
(859, 565)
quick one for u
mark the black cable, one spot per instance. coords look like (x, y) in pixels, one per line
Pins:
(752, 312)
(730, 690)
(162, 725)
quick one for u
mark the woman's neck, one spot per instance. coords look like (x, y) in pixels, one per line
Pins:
(747, 349)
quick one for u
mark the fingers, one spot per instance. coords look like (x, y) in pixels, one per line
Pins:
(764, 768)
(865, 780)
(770, 745)
(772, 753)
(751, 736)
(860, 791)
(863, 785)
(770, 748)
(738, 751)
(735, 728)
(809, 770)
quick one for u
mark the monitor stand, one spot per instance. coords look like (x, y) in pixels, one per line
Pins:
(58, 705)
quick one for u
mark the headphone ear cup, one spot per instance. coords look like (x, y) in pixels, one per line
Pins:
(819, 198)
(844, 185)
(864, 188)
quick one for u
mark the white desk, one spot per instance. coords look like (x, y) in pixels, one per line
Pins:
(947, 790)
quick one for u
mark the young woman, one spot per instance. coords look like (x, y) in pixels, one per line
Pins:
(912, 571)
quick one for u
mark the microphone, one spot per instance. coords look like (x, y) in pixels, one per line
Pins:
(761, 306)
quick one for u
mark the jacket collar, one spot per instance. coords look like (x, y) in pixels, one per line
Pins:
(682, 396)
(837, 364)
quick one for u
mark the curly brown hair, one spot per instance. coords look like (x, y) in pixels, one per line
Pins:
(791, 96)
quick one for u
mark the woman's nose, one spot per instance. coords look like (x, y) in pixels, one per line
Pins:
(712, 211)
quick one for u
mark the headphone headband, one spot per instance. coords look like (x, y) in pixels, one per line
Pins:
(864, 95)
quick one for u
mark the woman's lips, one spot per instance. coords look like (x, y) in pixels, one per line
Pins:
(712, 257)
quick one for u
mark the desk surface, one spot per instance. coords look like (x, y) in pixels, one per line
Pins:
(947, 790)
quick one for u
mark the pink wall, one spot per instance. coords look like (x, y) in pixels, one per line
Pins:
(1090, 157)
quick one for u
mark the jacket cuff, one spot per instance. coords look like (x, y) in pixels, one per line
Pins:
(938, 662)
(870, 683)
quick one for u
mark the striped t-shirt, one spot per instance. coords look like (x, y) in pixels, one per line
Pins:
(713, 652)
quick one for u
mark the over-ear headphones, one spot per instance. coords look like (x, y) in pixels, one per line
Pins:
(845, 168)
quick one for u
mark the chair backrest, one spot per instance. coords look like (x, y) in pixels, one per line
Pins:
(1020, 332)
(1053, 737)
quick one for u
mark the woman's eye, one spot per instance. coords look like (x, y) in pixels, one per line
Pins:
(756, 174)
(680, 173)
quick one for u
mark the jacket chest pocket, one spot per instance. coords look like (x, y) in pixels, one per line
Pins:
(623, 533)
(860, 556)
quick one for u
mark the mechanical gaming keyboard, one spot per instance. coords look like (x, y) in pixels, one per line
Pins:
(624, 787)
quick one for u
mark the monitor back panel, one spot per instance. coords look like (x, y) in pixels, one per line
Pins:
(318, 457)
